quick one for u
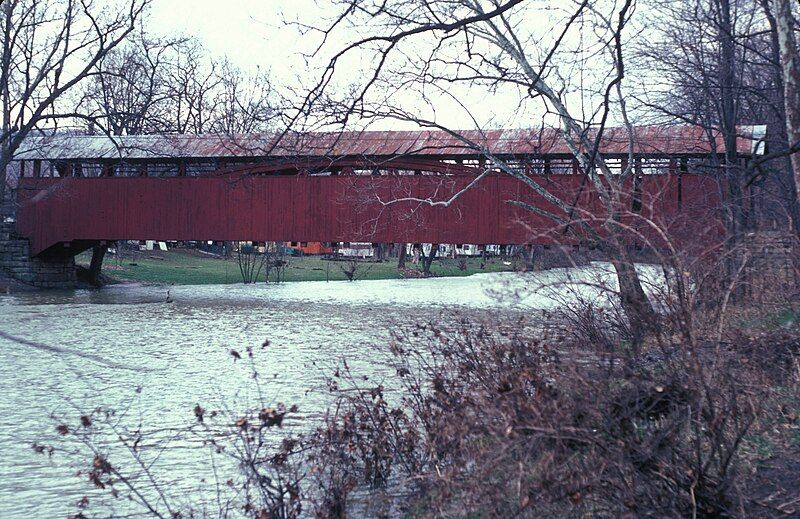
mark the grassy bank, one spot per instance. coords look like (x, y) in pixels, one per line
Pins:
(189, 267)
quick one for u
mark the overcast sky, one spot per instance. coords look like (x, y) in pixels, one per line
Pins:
(254, 33)
(249, 32)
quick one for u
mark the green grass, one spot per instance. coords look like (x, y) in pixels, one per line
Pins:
(762, 446)
(192, 268)
(785, 318)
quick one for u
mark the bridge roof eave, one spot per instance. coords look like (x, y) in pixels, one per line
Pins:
(375, 159)
(668, 141)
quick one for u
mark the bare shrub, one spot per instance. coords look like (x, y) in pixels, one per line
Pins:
(353, 269)
(495, 423)
(486, 418)
(261, 476)
(275, 261)
(250, 261)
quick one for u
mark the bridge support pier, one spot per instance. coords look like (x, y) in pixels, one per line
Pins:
(15, 262)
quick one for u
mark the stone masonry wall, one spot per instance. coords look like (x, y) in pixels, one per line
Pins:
(15, 261)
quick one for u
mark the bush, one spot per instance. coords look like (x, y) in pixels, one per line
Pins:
(489, 422)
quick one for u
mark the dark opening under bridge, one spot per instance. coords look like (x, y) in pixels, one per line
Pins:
(75, 191)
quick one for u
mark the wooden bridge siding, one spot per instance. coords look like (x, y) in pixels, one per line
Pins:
(301, 208)
(698, 226)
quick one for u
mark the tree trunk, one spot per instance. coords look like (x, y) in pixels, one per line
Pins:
(642, 319)
(790, 63)
(427, 261)
(5, 126)
(737, 218)
(727, 81)
(777, 127)
(529, 256)
(96, 265)
(636, 305)
(401, 260)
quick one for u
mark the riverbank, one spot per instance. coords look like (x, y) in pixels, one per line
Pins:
(192, 267)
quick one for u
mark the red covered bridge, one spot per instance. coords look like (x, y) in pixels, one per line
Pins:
(357, 186)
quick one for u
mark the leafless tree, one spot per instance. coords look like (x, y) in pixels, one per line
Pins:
(785, 26)
(702, 84)
(243, 102)
(129, 93)
(717, 65)
(48, 48)
(251, 261)
(192, 78)
(160, 85)
(439, 49)
(275, 252)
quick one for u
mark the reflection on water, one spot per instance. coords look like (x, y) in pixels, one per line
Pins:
(167, 357)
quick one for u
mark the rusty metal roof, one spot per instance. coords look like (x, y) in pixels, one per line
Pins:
(647, 140)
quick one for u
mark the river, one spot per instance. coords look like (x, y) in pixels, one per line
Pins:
(154, 352)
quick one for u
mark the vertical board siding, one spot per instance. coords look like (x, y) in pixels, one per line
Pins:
(345, 208)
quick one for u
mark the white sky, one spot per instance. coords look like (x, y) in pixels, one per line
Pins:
(253, 33)
(249, 32)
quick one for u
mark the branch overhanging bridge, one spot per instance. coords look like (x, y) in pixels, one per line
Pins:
(490, 187)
